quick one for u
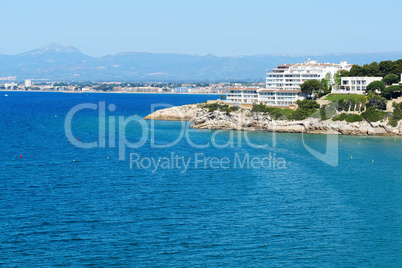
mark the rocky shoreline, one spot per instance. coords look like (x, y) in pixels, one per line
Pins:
(244, 119)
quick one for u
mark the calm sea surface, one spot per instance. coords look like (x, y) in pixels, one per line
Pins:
(61, 205)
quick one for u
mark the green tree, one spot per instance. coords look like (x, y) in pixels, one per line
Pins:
(373, 86)
(392, 92)
(305, 109)
(337, 78)
(357, 70)
(326, 84)
(310, 86)
(344, 73)
(372, 69)
(376, 102)
(382, 69)
(389, 79)
(386, 67)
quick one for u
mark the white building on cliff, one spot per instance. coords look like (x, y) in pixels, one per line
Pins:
(291, 76)
(354, 85)
(283, 83)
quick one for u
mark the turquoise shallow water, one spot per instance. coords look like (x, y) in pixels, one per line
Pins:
(98, 211)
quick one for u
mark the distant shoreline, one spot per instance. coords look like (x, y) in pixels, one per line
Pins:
(115, 92)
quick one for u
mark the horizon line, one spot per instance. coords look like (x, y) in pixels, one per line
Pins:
(201, 55)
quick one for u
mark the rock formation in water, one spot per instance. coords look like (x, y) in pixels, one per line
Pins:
(253, 121)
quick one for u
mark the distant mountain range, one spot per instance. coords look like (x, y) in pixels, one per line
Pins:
(59, 62)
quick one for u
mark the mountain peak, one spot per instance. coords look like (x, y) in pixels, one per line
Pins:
(53, 48)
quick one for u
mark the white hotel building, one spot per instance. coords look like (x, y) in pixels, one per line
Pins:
(354, 85)
(283, 83)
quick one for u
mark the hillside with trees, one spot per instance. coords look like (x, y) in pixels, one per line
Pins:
(382, 69)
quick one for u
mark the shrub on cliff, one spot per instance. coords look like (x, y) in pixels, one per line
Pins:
(306, 108)
(274, 112)
(354, 118)
(350, 118)
(373, 115)
(307, 104)
(323, 115)
(299, 114)
(211, 107)
(260, 108)
(396, 115)
(224, 108)
(376, 102)
(340, 117)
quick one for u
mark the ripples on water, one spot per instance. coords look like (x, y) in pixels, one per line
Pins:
(97, 211)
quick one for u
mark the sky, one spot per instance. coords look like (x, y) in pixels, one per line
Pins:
(218, 27)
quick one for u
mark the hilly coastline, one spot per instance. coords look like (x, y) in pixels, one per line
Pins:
(60, 62)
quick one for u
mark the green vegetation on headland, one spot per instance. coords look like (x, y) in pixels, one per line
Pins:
(274, 112)
(396, 115)
(349, 108)
(348, 117)
(388, 87)
(354, 107)
(306, 109)
(338, 97)
(390, 72)
(382, 69)
(221, 107)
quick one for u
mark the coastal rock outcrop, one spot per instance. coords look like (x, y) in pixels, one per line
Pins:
(254, 121)
(176, 113)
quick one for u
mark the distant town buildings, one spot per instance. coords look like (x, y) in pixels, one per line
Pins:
(28, 83)
(183, 89)
(10, 85)
(156, 87)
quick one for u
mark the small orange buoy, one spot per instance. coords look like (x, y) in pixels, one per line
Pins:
(20, 156)
(78, 138)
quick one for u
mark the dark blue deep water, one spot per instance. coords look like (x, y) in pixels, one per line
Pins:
(61, 205)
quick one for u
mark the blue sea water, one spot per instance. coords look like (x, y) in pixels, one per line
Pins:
(61, 205)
